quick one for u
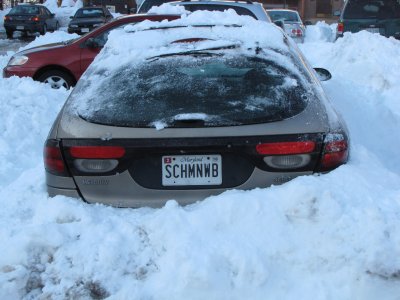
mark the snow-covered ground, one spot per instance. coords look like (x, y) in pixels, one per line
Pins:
(334, 236)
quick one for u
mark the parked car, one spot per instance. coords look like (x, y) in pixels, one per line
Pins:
(242, 8)
(192, 111)
(88, 18)
(62, 64)
(29, 18)
(293, 25)
(381, 17)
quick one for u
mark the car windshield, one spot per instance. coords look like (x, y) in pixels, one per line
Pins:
(364, 9)
(24, 10)
(89, 13)
(204, 89)
(287, 16)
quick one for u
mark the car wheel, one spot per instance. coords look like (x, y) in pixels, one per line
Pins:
(9, 34)
(57, 79)
(44, 29)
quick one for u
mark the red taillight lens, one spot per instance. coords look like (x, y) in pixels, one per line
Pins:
(340, 28)
(53, 160)
(284, 148)
(35, 19)
(99, 152)
(297, 32)
(7, 18)
(335, 154)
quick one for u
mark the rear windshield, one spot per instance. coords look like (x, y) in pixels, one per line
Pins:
(89, 13)
(287, 16)
(147, 4)
(241, 11)
(25, 10)
(203, 91)
(364, 9)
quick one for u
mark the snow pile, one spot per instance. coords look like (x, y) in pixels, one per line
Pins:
(2, 14)
(63, 13)
(320, 32)
(50, 38)
(167, 8)
(334, 236)
(368, 60)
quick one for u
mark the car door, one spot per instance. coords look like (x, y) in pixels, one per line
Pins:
(49, 17)
(88, 52)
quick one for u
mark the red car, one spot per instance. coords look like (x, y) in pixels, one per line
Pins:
(62, 64)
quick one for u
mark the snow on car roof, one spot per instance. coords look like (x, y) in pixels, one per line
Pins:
(147, 39)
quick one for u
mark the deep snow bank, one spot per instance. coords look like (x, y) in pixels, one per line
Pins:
(334, 236)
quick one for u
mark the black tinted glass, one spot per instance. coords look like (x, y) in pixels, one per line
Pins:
(206, 91)
(89, 13)
(147, 4)
(287, 16)
(364, 9)
(24, 10)
(241, 11)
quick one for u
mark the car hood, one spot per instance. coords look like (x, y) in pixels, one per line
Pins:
(42, 48)
(87, 21)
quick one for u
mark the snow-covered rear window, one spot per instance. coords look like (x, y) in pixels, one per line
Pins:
(201, 90)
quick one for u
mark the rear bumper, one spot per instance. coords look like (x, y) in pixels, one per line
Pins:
(122, 191)
(23, 27)
(18, 71)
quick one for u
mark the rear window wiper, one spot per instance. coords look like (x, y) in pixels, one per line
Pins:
(204, 52)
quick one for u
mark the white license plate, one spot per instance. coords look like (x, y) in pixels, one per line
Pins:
(373, 30)
(191, 170)
(20, 27)
(84, 29)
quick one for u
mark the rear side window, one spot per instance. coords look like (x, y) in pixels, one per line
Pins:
(241, 11)
(287, 16)
(25, 10)
(209, 91)
(367, 9)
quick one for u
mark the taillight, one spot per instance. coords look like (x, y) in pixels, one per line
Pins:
(53, 160)
(7, 18)
(340, 28)
(96, 159)
(35, 19)
(96, 152)
(297, 32)
(284, 148)
(286, 155)
(336, 152)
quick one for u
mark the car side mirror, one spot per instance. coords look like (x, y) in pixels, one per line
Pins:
(91, 43)
(279, 23)
(308, 23)
(133, 10)
(323, 74)
(337, 13)
(71, 17)
(52, 15)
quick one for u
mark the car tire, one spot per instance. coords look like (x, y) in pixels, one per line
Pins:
(57, 79)
(44, 29)
(9, 34)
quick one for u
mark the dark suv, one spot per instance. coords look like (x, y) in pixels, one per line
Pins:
(29, 18)
(377, 16)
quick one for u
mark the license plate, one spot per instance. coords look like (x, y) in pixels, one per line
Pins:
(84, 29)
(20, 27)
(181, 170)
(373, 30)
